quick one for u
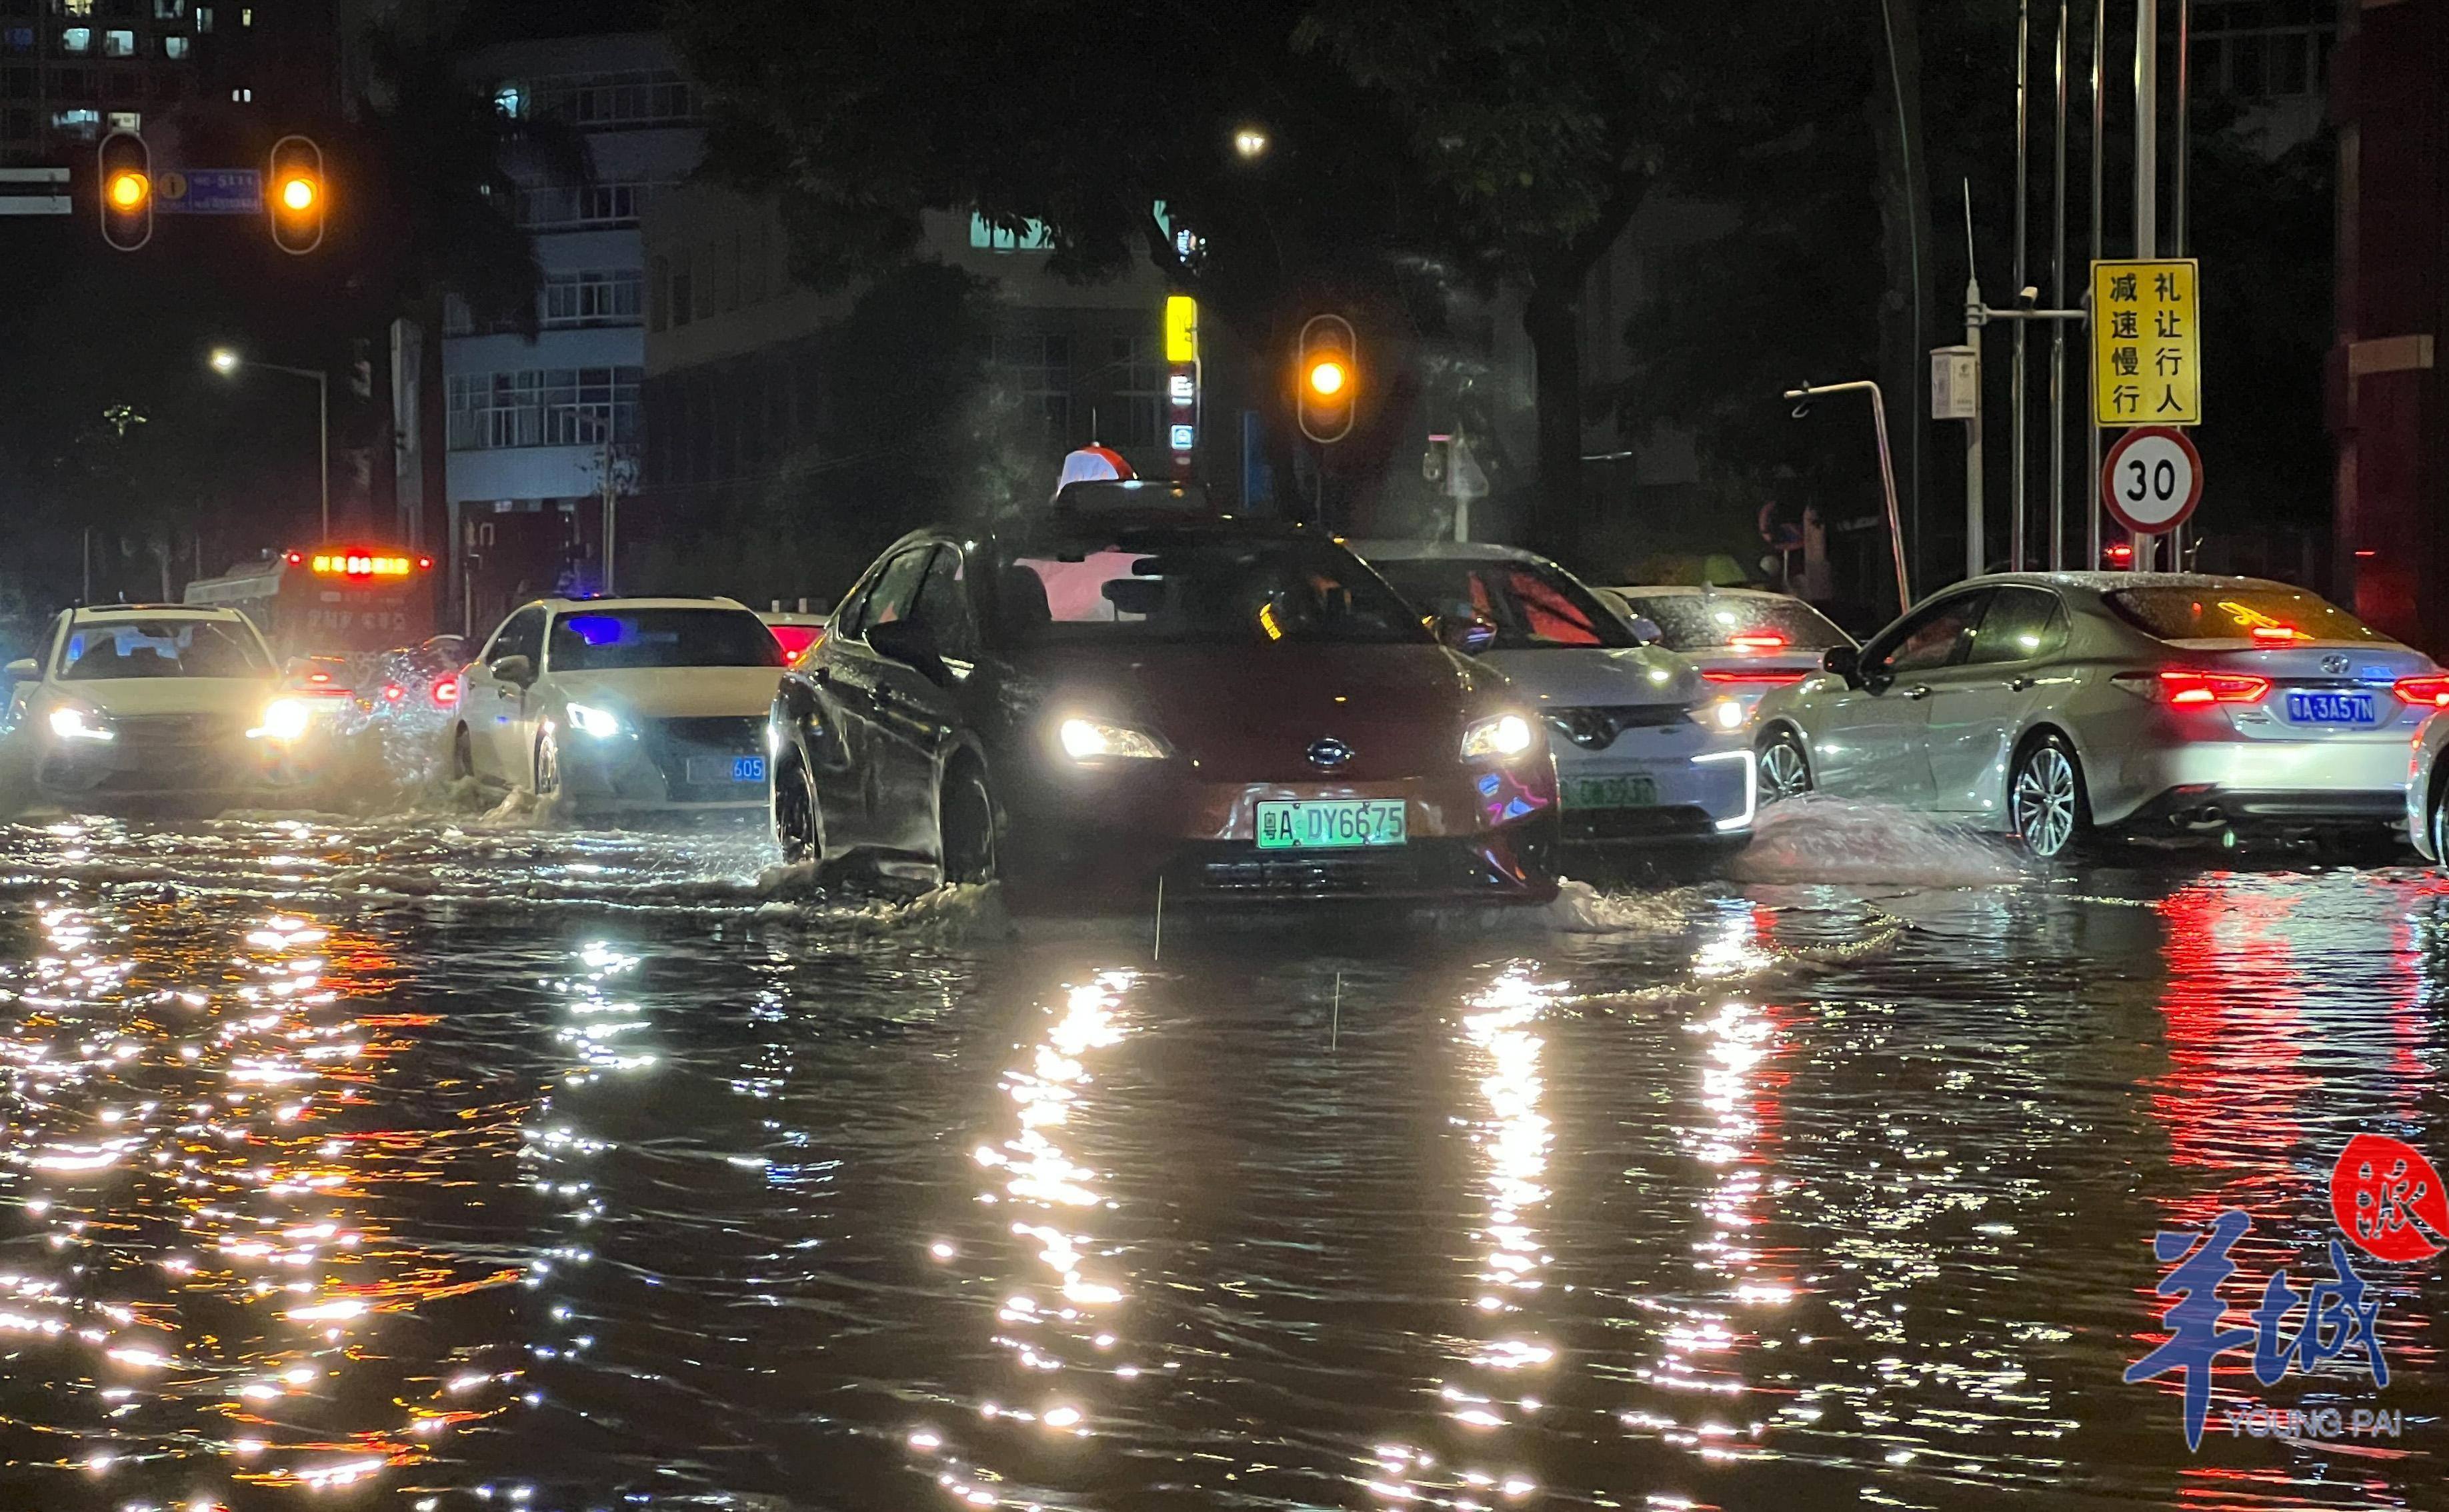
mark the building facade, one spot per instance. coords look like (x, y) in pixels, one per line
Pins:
(534, 428)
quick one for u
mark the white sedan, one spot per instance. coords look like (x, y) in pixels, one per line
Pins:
(1647, 753)
(160, 702)
(620, 703)
(2046, 704)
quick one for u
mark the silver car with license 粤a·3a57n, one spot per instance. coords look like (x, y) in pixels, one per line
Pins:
(2046, 704)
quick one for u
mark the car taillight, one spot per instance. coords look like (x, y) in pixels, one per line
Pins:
(1767, 676)
(393, 692)
(446, 692)
(2190, 689)
(2431, 690)
(2278, 635)
(1766, 640)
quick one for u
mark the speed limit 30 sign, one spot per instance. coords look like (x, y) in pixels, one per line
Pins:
(2151, 479)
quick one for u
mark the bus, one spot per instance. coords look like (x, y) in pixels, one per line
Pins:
(346, 601)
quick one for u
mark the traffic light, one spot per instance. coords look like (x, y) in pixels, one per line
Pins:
(295, 194)
(1327, 377)
(124, 172)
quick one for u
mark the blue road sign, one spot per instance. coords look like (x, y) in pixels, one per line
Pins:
(210, 191)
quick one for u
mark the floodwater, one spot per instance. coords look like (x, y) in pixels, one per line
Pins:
(453, 1163)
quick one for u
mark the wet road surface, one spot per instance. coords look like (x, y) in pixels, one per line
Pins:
(446, 1163)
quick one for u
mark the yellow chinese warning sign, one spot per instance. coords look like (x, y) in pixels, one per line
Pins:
(2146, 344)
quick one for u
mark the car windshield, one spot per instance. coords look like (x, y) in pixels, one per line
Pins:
(1701, 622)
(1196, 588)
(1532, 605)
(609, 639)
(161, 648)
(2258, 613)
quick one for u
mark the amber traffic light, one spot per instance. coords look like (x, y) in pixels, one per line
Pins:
(1327, 376)
(296, 193)
(124, 169)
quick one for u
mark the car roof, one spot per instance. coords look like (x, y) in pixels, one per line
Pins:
(1394, 550)
(599, 605)
(90, 613)
(1675, 590)
(791, 617)
(2108, 582)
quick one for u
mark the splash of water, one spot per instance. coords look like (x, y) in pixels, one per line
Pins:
(1815, 838)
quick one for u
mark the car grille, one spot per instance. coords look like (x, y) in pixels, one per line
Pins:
(670, 743)
(1596, 729)
(1241, 870)
(178, 729)
(1664, 822)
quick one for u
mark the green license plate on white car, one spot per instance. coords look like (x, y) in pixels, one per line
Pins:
(1330, 823)
(1636, 791)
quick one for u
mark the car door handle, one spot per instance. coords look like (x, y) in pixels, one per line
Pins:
(1918, 692)
(2022, 684)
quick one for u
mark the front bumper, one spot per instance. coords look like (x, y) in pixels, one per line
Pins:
(692, 763)
(1702, 795)
(135, 769)
(1111, 835)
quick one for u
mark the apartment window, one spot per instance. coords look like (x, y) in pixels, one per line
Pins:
(457, 319)
(16, 124)
(174, 49)
(123, 87)
(1141, 372)
(76, 39)
(550, 407)
(987, 236)
(169, 10)
(17, 39)
(602, 100)
(72, 84)
(2257, 50)
(511, 101)
(76, 8)
(1038, 369)
(78, 122)
(119, 43)
(564, 207)
(246, 18)
(125, 121)
(204, 18)
(596, 299)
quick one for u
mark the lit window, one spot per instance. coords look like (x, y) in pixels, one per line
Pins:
(204, 18)
(79, 122)
(127, 121)
(119, 43)
(511, 101)
(174, 46)
(76, 8)
(169, 10)
(246, 18)
(989, 237)
(76, 39)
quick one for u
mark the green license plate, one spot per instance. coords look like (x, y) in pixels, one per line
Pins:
(1330, 823)
(1612, 792)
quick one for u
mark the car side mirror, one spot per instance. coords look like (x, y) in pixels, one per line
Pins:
(1467, 633)
(910, 642)
(24, 669)
(520, 670)
(1645, 630)
(1845, 662)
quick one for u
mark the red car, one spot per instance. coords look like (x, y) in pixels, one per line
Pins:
(1092, 700)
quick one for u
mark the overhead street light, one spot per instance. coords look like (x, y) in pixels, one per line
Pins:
(227, 362)
(1249, 142)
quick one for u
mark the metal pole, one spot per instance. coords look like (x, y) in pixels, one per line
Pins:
(2057, 328)
(1887, 469)
(2016, 443)
(1975, 558)
(324, 444)
(2177, 193)
(2146, 175)
(2099, 169)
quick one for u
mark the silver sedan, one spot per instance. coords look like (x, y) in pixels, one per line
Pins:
(2049, 705)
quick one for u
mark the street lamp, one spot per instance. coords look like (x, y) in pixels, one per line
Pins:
(227, 362)
(1249, 142)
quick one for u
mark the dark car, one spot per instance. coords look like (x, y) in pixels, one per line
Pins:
(1087, 704)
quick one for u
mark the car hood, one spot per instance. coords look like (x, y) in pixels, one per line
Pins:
(1598, 676)
(1250, 713)
(134, 698)
(670, 693)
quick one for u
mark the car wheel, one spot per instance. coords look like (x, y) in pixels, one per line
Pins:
(799, 826)
(463, 755)
(2437, 818)
(2044, 797)
(547, 765)
(965, 824)
(1784, 770)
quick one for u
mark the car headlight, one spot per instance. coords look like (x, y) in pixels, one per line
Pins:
(1723, 714)
(283, 719)
(1499, 737)
(1095, 740)
(588, 720)
(70, 722)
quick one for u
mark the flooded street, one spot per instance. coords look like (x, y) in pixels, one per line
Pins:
(444, 1163)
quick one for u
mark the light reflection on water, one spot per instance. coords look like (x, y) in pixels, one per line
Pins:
(569, 1170)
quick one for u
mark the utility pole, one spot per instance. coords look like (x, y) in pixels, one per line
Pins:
(1975, 558)
(2057, 329)
(2099, 200)
(2016, 401)
(2177, 194)
(2146, 173)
